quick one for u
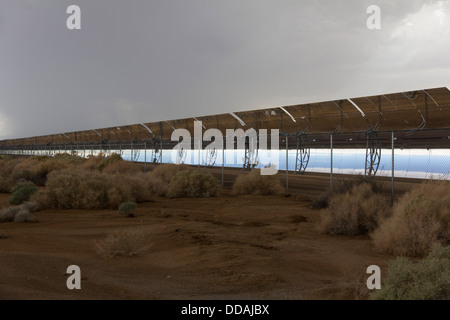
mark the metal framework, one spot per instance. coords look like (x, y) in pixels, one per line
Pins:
(420, 119)
(373, 154)
(156, 153)
(211, 156)
(303, 153)
(250, 155)
(135, 152)
(181, 153)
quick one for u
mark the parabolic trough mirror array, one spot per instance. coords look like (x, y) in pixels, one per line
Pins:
(350, 136)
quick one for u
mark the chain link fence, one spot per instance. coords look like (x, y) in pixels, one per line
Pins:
(424, 154)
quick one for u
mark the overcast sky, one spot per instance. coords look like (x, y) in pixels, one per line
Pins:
(141, 61)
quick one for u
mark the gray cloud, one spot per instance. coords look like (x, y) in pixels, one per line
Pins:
(141, 61)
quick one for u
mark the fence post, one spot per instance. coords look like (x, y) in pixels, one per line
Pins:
(392, 187)
(223, 159)
(145, 156)
(199, 150)
(287, 165)
(161, 148)
(131, 151)
(331, 161)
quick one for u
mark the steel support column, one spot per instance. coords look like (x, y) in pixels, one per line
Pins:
(373, 154)
(287, 164)
(145, 156)
(211, 156)
(250, 156)
(223, 159)
(331, 160)
(393, 171)
(302, 154)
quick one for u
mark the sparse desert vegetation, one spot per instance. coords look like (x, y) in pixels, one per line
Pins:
(428, 279)
(22, 213)
(165, 172)
(257, 184)
(128, 242)
(420, 219)
(187, 230)
(80, 189)
(193, 184)
(36, 169)
(7, 165)
(358, 210)
(127, 209)
(104, 162)
(98, 182)
(342, 186)
(22, 191)
(417, 223)
(162, 175)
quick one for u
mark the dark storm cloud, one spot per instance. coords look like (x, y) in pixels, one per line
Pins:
(141, 61)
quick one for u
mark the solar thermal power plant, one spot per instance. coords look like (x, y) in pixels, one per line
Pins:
(418, 119)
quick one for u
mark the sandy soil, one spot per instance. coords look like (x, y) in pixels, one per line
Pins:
(231, 247)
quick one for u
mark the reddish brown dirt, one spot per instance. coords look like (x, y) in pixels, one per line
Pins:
(231, 247)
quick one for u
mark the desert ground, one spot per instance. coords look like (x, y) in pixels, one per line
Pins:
(227, 247)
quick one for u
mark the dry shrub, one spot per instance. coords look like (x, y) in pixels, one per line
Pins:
(121, 167)
(78, 189)
(129, 242)
(91, 162)
(67, 158)
(36, 169)
(81, 189)
(127, 209)
(8, 214)
(22, 191)
(193, 184)
(341, 186)
(162, 175)
(22, 213)
(420, 219)
(108, 160)
(7, 166)
(140, 186)
(24, 216)
(26, 169)
(165, 172)
(354, 283)
(156, 185)
(31, 206)
(255, 183)
(357, 211)
(113, 164)
(428, 279)
(45, 167)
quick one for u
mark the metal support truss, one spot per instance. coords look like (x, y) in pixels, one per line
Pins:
(211, 156)
(373, 154)
(181, 153)
(251, 155)
(303, 153)
(156, 151)
(135, 153)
